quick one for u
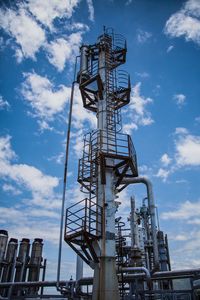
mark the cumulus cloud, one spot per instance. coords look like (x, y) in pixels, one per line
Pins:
(30, 223)
(139, 114)
(163, 174)
(143, 36)
(41, 94)
(90, 9)
(80, 114)
(22, 28)
(33, 20)
(25, 176)
(4, 104)
(62, 50)
(46, 11)
(185, 22)
(165, 159)
(180, 99)
(187, 211)
(187, 149)
(186, 154)
(8, 188)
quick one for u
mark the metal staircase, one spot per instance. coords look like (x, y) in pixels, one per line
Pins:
(105, 148)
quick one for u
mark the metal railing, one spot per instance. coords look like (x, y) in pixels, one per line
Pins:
(116, 145)
(84, 216)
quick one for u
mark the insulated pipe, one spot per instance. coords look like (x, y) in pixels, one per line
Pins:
(79, 267)
(152, 210)
(133, 269)
(176, 272)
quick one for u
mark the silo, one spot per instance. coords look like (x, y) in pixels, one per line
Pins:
(9, 261)
(9, 266)
(35, 263)
(3, 245)
(22, 260)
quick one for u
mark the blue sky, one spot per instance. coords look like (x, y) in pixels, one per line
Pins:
(38, 43)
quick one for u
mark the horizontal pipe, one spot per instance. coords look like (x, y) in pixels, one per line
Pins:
(82, 281)
(176, 272)
(136, 269)
(89, 280)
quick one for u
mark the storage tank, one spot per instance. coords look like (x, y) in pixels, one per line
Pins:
(35, 264)
(10, 257)
(3, 245)
(22, 260)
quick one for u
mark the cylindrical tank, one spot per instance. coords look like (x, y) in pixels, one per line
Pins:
(162, 251)
(83, 73)
(35, 263)
(22, 260)
(3, 244)
(10, 256)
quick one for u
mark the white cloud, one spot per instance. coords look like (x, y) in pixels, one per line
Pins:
(80, 114)
(127, 128)
(165, 159)
(186, 154)
(181, 130)
(170, 48)
(62, 50)
(180, 99)
(193, 7)
(23, 28)
(187, 150)
(4, 104)
(30, 223)
(90, 9)
(77, 26)
(45, 100)
(25, 176)
(185, 22)
(78, 142)
(44, 126)
(138, 112)
(142, 74)
(181, 237)
(46, 11)
(163, 174)
(143, 36)
(188, 210)
(8, 188)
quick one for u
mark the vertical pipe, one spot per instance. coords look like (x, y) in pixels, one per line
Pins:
(43, 275)
(152, 210)
(79, 267)
(134, 226)
(62, 213)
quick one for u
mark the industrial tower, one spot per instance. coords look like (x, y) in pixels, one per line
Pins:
(109, 159)
(130, 258)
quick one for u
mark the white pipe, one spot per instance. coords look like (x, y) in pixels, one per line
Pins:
(133, 269)
(152, 209)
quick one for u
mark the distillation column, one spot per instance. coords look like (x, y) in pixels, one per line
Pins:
(105, 278)
(108, 158)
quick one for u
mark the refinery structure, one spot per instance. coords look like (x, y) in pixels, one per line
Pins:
(129, 257)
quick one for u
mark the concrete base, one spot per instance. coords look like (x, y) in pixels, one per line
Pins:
(105, 284)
